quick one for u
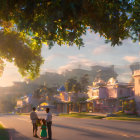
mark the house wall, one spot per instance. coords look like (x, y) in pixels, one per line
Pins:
(112, 91)
(103, 93)
(83, 107)
(26, 109)
(106, 98)
(63, 96)
(59, 108)
(62, 107)
(19, 103)
(124, 92)
(137, 89)
(93, 92)
(89, 93)
(65, 108)
(28, 99)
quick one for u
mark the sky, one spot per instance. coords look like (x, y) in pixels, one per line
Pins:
(95, 52)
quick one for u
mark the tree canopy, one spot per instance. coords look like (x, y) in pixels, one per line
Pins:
(26, 24)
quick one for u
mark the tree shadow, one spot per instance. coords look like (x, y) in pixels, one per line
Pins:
(14, 135)
(114, 128)
(84, 132)
(4, 134)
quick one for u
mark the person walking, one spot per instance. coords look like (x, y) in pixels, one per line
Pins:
(34, 118)
(49, 123)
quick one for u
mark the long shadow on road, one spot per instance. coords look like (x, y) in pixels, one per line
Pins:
(15, 135)
(114, 128)
(84, 131)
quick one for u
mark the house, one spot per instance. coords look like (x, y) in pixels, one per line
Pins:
(62, 100)
(24, 103)
(136, 76)
(70, 101)
(105, 97)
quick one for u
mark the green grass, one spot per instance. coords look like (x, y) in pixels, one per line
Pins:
(125, 117)
(3, 133)
(119, 116)
(22, 113)
(82, 115)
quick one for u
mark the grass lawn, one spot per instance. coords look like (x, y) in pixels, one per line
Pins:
(119, 116)
(125, 117)
(22, 113)
(3, 133)
(82, 115)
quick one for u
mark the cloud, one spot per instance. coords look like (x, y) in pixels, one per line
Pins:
(131, 59)
(78, 61)
(104, 63)
(61, 69)
(122, 78)
(125, 77)
(50, 58)
(76, 57)
(101, 49)
(43, 70)
(54, 56)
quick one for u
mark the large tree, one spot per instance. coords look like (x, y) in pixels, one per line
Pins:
(84, 80)
(26, 24)
(70, 83)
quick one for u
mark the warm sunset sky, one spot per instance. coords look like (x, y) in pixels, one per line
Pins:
(58, 59)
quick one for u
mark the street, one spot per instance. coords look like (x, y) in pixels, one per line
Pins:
(20, 128)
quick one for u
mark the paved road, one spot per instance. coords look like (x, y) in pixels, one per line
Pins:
(20, 128)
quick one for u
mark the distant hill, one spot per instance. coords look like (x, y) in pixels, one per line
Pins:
(56, 80)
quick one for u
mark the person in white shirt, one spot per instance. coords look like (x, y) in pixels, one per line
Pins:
(49, 123)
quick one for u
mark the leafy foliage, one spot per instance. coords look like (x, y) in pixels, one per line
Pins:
(84, 80)
(20, 49)
(26, 24)
(65, 21)
(72, 85)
